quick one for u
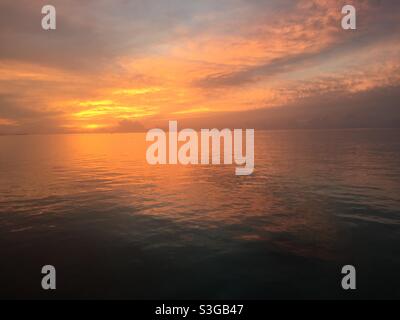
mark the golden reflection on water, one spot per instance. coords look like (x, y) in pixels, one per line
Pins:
(293, 202)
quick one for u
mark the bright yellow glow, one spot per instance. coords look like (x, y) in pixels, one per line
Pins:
(95, 103)
(133, 92)
(118, 112)
(93, 126)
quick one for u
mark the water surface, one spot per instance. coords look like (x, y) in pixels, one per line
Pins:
(116, 227)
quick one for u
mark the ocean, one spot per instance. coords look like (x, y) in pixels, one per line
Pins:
(115, 227)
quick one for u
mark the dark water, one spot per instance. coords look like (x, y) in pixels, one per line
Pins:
(115, 227)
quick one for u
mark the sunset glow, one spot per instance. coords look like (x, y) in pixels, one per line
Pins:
(199, 157)
(201, 60)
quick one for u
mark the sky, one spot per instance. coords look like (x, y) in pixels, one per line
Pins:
(122, 66)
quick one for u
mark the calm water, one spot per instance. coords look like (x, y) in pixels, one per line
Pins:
(115, 227)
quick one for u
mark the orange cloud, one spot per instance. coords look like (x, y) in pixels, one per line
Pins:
(242, 57)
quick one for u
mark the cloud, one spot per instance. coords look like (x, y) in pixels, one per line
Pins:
(155, 59)
(377, 108)
(11, 108)
(129, 126)
(309, 36)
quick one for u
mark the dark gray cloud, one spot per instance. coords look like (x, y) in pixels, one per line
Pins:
(377, 108)
(12, 108)
(128, 126)
(255, 73)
